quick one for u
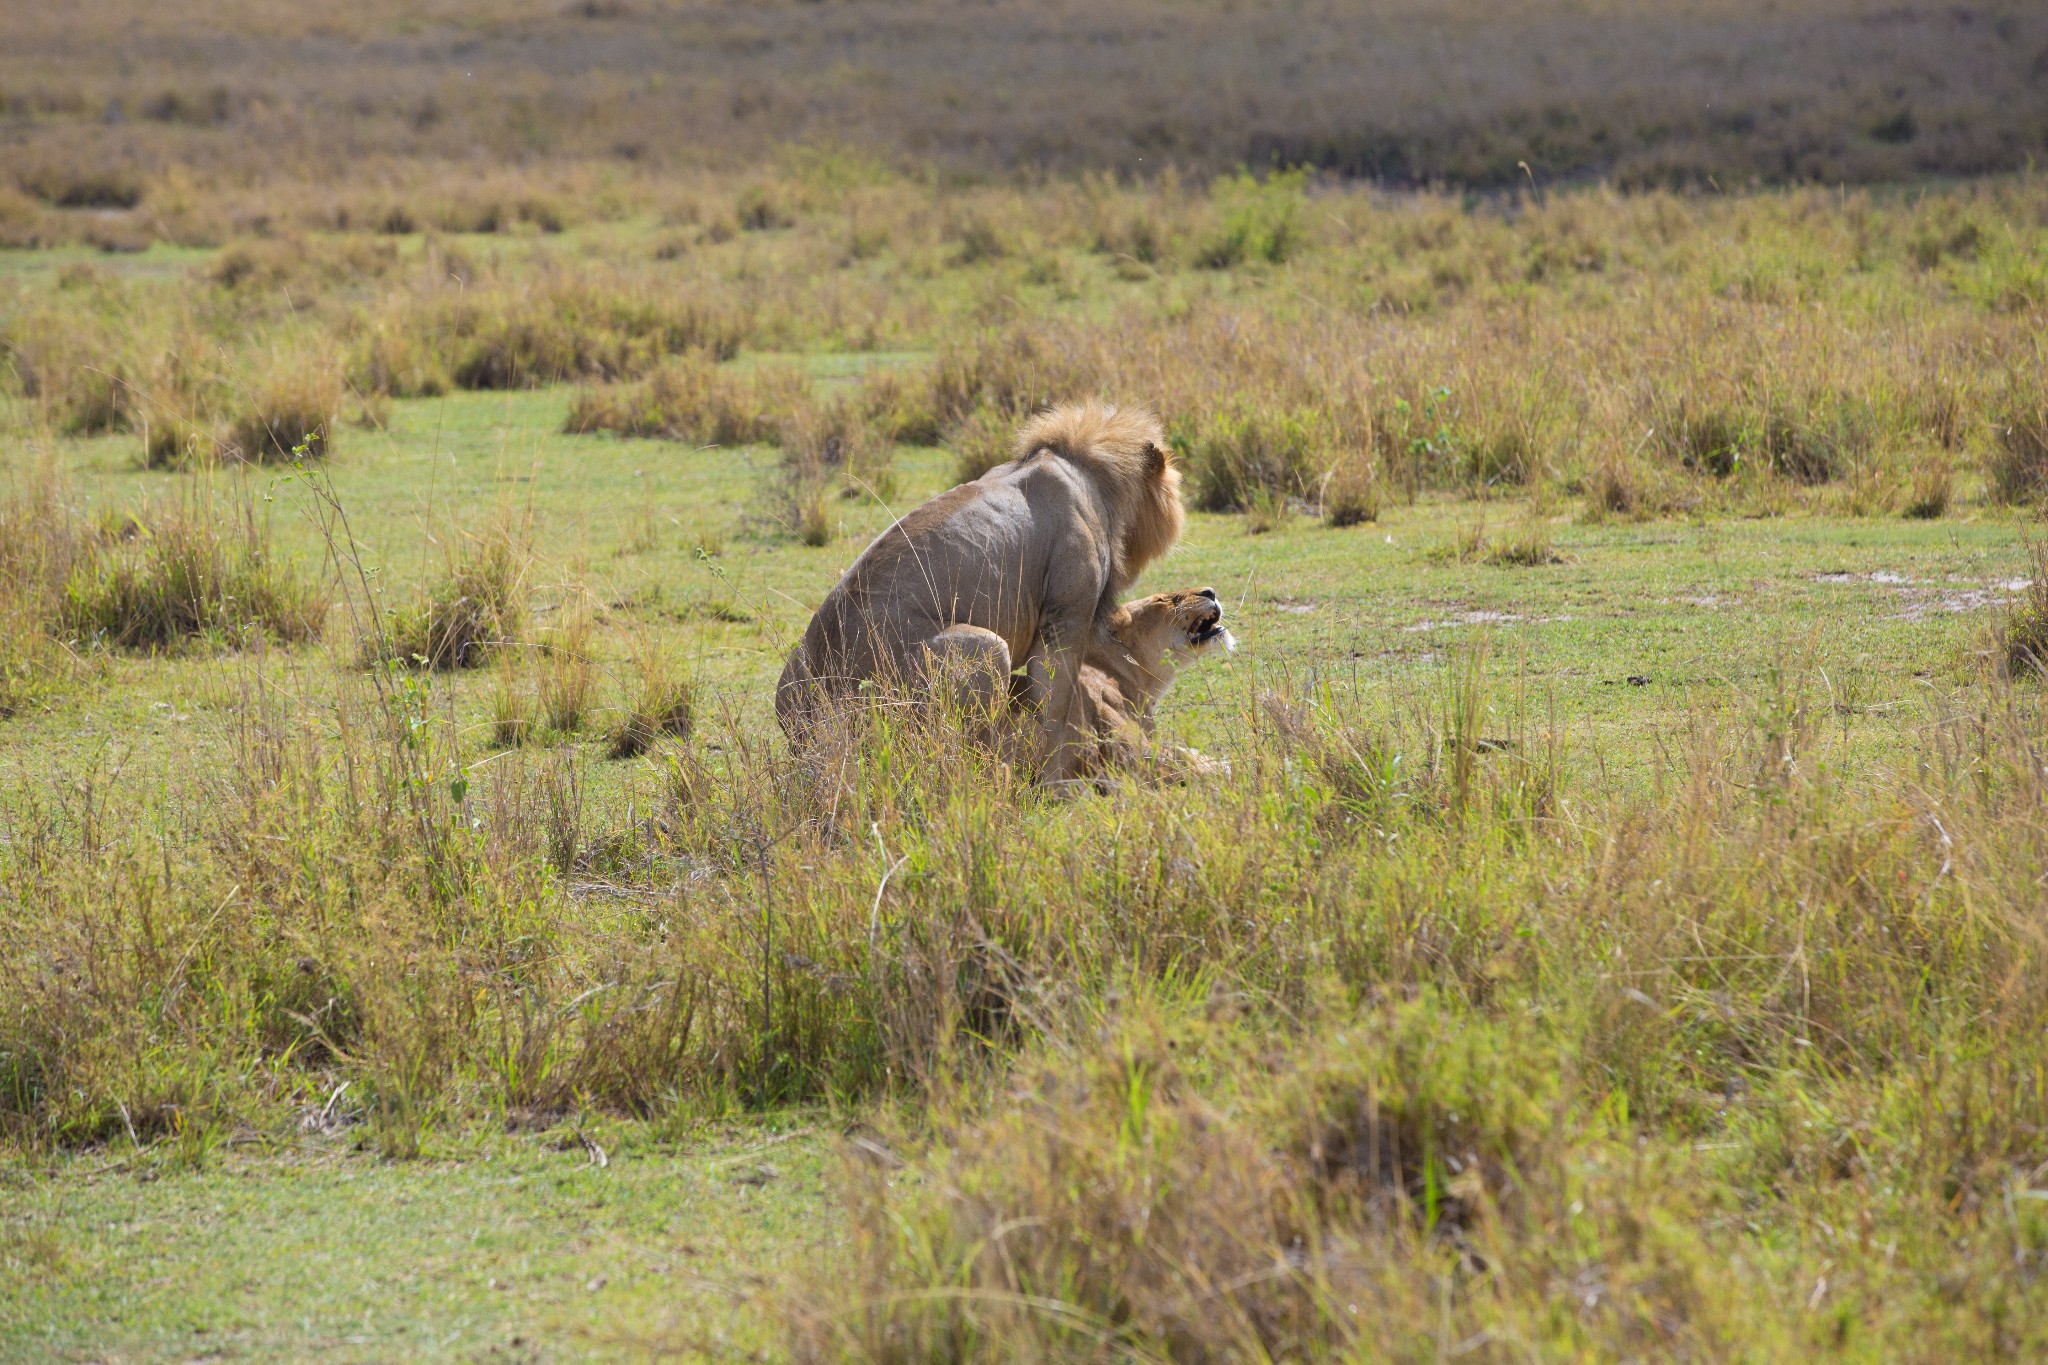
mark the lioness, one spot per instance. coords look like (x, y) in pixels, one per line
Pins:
(1134, 661)
(1026, 562)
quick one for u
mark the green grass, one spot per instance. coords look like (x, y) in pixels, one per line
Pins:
(1698, 607)
(1746, 754)
(494, 1247)
(264, 1251)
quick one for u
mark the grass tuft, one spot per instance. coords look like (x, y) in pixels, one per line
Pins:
(1931, 489)
(477, 606)
(692, 398)
(980, 441)
(661, 706)
(292, 415)
(186, 569)
(2017, 466)
(2022, 631)
(568, 676)
(1250, 456)
(1527, 546)
(1351, 492)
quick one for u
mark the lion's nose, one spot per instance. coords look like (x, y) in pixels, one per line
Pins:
(1209, 593)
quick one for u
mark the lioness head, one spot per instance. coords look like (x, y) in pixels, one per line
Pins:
(1183, 625)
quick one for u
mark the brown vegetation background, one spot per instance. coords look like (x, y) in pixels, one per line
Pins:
(97, 98)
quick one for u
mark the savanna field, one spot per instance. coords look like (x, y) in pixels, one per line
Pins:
(1617, 436)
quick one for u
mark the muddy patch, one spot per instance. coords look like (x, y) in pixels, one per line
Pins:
(1919, 598)
(1480, 618)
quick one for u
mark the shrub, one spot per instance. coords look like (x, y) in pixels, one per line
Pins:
(1248, 451)
(693, 398)
(1815, 439)
(566, 325)
(28, 658)
(71, 186)
(99, 400)
(661, 706)
(1705, 437)
(397, 358)
(2022, 633)
(2017, 466)
(297, 405)
(477, 605)
(174, 440)
(1931, 489)
(1267, 511)
(568, 680)
(1261, 222)
(981, 441)
(797, 495)
(1178, 1187)
(978, 241)
(900, 407)
(511, 708)
(1014, 372)
(1351, 492)
(838, 436)
(1615, 488)
(1527, 546)
(189, 568)
(757, 209)
(40, 543)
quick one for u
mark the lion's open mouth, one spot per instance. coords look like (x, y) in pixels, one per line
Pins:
(1209, 632)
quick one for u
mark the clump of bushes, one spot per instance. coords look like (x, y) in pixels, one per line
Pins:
(692, 398)
(1615, 487)
(981, 441)
(901, 407)
(796, 495)
(567, 325)
(2022, 635)
(290, 415)
(1930, 489)
(1351, 491)
(2017, 465)
(1013, 372)
(187, 569)
(758, 209)
(172, 439)
(478, 604)
(660, 706)
(1527, 546)
(40, 543)
(839, 438)
(1260, 221)
(1249, 451)
(1815, 439)
(1211, 1211)
(568, 677)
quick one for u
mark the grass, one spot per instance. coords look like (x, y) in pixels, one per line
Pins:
(476, 607)
(2023, 632)
(123, 142)
(275, 1253)
(1612, 937)
(660, 707)
(572, 853)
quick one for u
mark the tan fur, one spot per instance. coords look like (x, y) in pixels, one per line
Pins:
(1130, 668)
(1129, 451)
(1024, 563)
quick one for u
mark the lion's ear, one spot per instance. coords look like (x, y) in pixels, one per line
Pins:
(1157, 459)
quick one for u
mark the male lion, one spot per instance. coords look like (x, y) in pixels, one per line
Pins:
(1023, 563)
(1134, 661)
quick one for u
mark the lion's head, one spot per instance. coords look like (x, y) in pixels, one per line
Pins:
(1184, 625)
